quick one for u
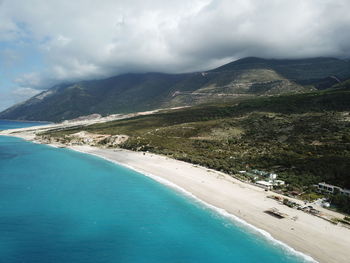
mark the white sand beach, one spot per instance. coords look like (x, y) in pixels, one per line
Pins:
(313, 236)
(308, 234)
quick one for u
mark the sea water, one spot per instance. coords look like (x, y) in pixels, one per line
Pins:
(5, 125)
(57, 205)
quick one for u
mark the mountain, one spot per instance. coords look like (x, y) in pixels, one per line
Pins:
(138, 92)
(312, 71)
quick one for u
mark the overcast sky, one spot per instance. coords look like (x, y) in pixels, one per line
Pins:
(43, 42)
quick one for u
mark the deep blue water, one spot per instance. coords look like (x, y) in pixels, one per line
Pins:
(4, 125)
(57, 205)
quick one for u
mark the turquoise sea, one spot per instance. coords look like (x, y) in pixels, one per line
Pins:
(4, 124)
(57, 205)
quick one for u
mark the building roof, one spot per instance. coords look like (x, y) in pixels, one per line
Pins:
(345, 191)
(264, 183)
(334, 186)
(328, 185)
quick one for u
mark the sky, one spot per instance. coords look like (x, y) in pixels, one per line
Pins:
(43, 42)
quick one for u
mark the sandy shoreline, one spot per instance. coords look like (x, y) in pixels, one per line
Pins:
(308, 234)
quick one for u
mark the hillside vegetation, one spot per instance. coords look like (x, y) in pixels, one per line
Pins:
(305, 138)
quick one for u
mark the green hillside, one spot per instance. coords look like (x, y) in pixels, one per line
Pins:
(305, 138)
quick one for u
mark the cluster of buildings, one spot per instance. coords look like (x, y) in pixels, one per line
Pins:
(332, 189)
(263, 179)
(268, 181)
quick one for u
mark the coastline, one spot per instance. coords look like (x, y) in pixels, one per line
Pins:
(310, 237)
(218, 210)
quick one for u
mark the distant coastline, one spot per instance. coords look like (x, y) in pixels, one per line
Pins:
(26, 121)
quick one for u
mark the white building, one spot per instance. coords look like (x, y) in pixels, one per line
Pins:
(345, 192)
(278, 182)
(331, 189)
(272, 176)
(265, 185)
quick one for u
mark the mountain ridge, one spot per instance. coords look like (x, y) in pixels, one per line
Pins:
(133, 92)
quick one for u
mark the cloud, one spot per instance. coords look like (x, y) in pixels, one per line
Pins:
(29, 79)
(86, 39)
(22, 93)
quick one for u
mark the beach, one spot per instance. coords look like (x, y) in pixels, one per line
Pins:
(300, 231)
(308, 234)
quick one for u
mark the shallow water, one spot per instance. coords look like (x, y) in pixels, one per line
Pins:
(58, 205)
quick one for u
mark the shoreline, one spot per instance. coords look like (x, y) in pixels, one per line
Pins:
(44, 122)
(281, 231)
(221, 211)
(308, 237)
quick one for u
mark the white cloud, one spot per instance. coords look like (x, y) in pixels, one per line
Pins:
(87, 39)
(29, 79)
(24, 93)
